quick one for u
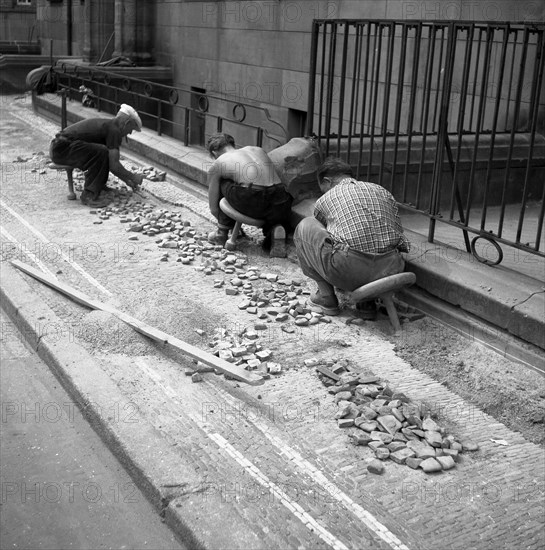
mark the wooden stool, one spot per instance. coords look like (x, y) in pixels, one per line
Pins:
(239, 220)
(384, 289)
(69, 172)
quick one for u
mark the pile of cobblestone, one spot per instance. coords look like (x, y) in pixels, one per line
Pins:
(388, 422)
(242, 348)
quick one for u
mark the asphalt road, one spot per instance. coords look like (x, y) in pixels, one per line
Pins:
(61, 486)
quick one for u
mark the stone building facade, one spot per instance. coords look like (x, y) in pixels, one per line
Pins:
(254, 51)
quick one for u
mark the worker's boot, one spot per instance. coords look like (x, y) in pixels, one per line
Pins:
(101, 202)
(367, 310)
(219, 236)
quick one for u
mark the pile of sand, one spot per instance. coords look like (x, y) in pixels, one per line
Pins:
(105, 332)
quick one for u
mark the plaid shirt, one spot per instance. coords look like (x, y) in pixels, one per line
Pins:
(363, 216)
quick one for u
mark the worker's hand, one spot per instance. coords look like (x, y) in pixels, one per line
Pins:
(136, 180)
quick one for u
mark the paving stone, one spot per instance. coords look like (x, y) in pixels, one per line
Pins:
(389, 423)
(374, 444)
(349, 379)
(401, 455)
(430, 465)
(343, 395)
(447, 462)
(433, 438)
(274, 368)
(343, 410)
(413, 463)
(360, 438)
(471, 446)
(398, 414)
(453, 453)
(381, 436)
(368, 413)
(382, 453)
(365, 426)
(396, 446)
(253, 363)
(421, 449)
(430, 425)
(345, 422)
(378, 403)
(376, 467)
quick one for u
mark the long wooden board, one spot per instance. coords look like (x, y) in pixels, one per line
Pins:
(233, 371)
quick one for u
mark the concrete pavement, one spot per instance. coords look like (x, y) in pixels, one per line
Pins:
(234, 466)
(61, 486)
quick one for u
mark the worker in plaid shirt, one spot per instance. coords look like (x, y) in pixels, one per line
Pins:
(355, 237)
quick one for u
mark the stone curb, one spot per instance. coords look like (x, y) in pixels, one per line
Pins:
(165, 477)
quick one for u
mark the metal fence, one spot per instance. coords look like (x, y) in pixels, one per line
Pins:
(448, 116)
(185, 114)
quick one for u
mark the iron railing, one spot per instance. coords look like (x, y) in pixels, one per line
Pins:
(448, 116)
(182, 113)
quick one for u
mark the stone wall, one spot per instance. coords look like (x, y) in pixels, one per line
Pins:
(17, 23)
(259, 51)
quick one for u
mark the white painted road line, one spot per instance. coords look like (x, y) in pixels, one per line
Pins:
(44, 239)
(7, 235)
(318, 477)
(282, 497)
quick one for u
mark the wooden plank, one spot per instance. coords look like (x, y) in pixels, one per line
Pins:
(329, 373)
(232, 371)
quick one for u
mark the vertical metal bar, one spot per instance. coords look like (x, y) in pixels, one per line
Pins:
(386, 98)
(510, 86)
(364, 98)
(159, 116)
(331, 78)
(312, 79)
(461, 119)
(342, 89)
(322, 77)
(425, 110)
(442, 132)
(397, 116)
(378, 27)
(354, 93)
(438, 83)
(494, 123)
(537, 80)
(475, 78)
(412, 103)
(480, 117)
(514, 123)
(187, 128)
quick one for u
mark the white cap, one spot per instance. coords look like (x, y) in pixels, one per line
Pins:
(132, 114)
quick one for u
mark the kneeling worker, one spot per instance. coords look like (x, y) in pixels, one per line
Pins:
(355, 237)
(247, 178)
(92, 145)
